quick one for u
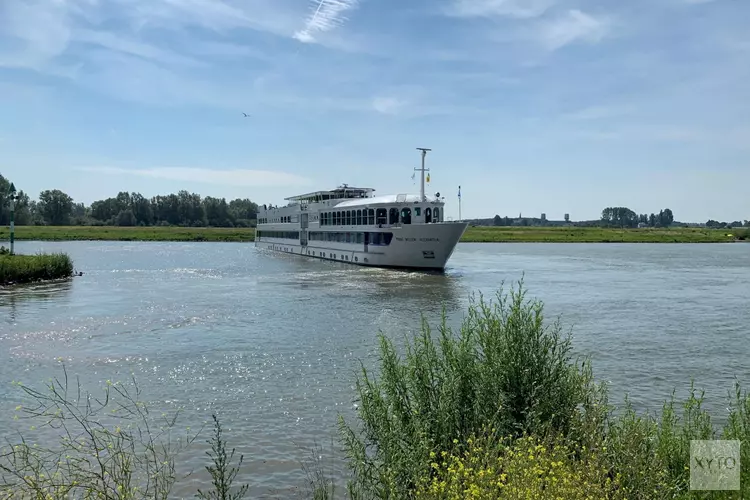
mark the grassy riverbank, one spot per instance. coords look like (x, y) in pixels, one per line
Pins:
(473, 234)
(16, 269)
(500, 409)
(597, 235)
(115, 233)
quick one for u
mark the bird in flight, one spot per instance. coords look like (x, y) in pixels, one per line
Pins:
(246, 115)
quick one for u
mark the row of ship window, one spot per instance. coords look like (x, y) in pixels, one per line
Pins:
(360, 238)
(265, 220)
(382, 239)
(377, 216)
(365, 217)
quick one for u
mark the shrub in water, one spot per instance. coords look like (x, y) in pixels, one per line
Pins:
(30, 268)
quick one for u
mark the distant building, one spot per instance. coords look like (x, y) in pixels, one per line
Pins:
(567, 217)
(544, 217)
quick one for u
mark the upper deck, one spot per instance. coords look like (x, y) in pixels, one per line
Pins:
(343, 192)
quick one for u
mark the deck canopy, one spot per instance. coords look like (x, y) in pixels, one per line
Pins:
(340, 193)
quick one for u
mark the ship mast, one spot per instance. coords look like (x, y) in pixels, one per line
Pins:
(422, 170)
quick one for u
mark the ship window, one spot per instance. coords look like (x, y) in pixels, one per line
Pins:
(436, 215)
(393, 216)
(371, 217)
(359, 217)
(375, 238)
(417, 211)
(387, 237)
(428, 215)
(348, 218)
(348, 237)
(406, 215)
(382, 216)
(359, 238)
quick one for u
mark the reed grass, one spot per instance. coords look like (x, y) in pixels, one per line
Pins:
(15, 269)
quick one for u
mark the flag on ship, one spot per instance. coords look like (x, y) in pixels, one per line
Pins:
(459, 192)
(428, 177)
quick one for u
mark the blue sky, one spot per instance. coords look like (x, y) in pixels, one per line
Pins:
(555, 106)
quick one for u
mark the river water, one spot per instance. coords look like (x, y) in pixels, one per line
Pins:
(271, 342)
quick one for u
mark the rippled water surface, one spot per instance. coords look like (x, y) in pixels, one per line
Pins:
(271, 342)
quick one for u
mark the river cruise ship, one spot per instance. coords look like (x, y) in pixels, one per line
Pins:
(352, 225)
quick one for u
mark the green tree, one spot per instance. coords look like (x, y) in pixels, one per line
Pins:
(126, 218)
(141, 208)
(22, 207)
(217, 212)
(243, 210)
(619, 217)
(667, 217)
(55, 207)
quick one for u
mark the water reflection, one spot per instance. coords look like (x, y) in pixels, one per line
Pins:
(411, 291)
(12, 297)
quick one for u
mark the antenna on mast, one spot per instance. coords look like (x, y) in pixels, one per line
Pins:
(422, 170)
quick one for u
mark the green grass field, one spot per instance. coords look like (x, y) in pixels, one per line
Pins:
(473, 234)
(597, 235)
(113, 233)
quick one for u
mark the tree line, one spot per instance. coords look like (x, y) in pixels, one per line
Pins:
(621, 217)
(625, 217)
(56, 208)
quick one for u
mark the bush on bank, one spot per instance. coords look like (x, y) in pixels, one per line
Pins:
(501, 409)
(16, 269)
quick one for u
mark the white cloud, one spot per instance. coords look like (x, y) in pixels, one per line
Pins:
(40, 30)
(572, 27)
(388, 105)
(508, 8)
(233, 177)
(326, 15)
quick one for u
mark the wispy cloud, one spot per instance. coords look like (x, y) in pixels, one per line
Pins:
(129, 46)
(234, 177)
(508, 8)
(40, 30)
(596, 113)
(325, 15)
(388, 105)
(573, 26)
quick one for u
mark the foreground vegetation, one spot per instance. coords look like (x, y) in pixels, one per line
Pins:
(499, 409)
(15, 269)
(472, 234)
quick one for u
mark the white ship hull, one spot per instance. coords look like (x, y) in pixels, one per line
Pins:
(415, 246)
(349, 224)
